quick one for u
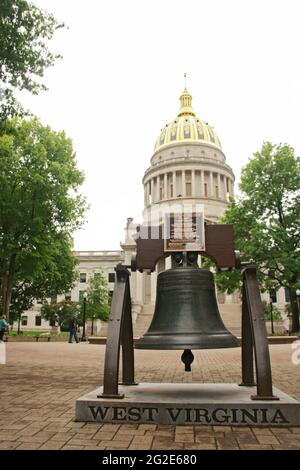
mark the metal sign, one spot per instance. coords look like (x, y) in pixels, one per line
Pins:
(184, 232)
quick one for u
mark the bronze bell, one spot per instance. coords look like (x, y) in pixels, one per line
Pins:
(186, 314)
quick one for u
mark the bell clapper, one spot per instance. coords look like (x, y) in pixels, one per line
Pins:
(187, 358)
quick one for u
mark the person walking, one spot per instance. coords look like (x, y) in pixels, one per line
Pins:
(3, 326)
(73, 329)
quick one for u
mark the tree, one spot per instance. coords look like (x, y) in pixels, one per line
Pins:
(266, 221)
(53, 274)
(97, 299)
(40, 207)
(24, 56)
(61, 313)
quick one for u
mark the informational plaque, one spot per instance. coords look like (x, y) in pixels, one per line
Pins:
(184, 232)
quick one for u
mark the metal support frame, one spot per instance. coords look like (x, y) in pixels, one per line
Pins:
(119, 333)
(254, 338)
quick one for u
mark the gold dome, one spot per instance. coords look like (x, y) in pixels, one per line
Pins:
(187, 127)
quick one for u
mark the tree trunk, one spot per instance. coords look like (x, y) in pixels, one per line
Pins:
(92, 332)
(295, 311)
(7, 281)
(4, 283)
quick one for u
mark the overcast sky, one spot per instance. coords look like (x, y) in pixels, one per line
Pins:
(121, 76)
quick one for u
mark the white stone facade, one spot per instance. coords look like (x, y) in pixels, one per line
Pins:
(90, 262)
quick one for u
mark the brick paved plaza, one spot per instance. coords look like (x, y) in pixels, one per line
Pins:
(41, 381)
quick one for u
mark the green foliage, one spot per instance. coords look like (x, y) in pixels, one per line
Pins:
(98, 298)
(40, 207)
(266, 216)
(61, 313)
(34, 334)
(266, 220)
(276, 315)
(25, 30)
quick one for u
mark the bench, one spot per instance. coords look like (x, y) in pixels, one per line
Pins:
(43, 336)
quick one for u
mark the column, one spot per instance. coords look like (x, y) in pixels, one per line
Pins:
(193, 184)
(146, 288)
(227, 187)
(211, 184)
(183, 183)
(145, 195)
(202, 191)
(168, 262)
(152, 190)
(174, 184)
(139, 287)
(161, 266)
(148, 193)
(153, 286)
(219, 186)
(166, 186)
(224, 188)
(231, 188)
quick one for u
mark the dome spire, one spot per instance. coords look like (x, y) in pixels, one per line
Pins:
(186, 102)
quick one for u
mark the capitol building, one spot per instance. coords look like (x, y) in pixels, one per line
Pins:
(188, 166)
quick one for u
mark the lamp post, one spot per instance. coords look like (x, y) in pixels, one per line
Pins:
(298, 299)
(298, 305)
(83, 338)
(19, 317)
(271, 315)
(57, 318)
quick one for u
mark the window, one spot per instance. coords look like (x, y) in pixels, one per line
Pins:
(82, 277)
(171, 190)
(273, 296)
(287, 294)
(68, 296)
(24, 321)
(111, 277)
(217, 191)
(38, 320)
(205, 190)
(81, 292)
(188, 188)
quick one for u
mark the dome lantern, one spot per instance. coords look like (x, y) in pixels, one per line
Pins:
(186, 104)
(187, 128)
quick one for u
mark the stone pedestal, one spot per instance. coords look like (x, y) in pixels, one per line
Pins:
(186, 404)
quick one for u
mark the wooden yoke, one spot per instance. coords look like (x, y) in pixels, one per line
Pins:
(219, 241)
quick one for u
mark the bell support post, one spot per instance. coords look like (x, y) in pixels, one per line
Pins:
(247, 345)
(127, 342)
(254, 335)
(119, 332)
